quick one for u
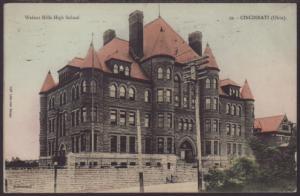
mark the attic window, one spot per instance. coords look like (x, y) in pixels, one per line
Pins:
(116, 69)
(126, 71)
(161, 29)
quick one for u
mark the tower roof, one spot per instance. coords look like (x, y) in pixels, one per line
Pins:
(48, 83)
(246, 91)
(91, 59)
(210, 58)
(160, 38)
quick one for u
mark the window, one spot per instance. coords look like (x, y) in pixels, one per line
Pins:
(191, 125)
(169, 145)
(185, 102)
(131, 93)
(227, 109)
(113, 91)
(73, 142)
(132, 144)
(123, 143)
(64, 124)
(169, 120)
(95, 141)
(239, 149)
(60, 99)
(122, 92)
(228, 131)
(116, 69)
(94, 114)
(215, 126)
(208, 147)
(113, 117)
(122, 118)
(180, 124)
(147, 96)
(215, 83)
(160, 120)
(148, 144)
(160, 145)
(234, 130)
(185, 124)
(215, 104)
(168, 96)
(176, 100)
(93, 86)
(77, 117)
(132, 118)
(113, 143)
(147, 120)
(239, 110)
(73, 93)
(233, 110)
(64, 97)
(207, 126)
(73, 118)
(160, 95)
(159, 73)
(83, 143)
(77, 92)
(126, 71)
(83, 114)
(216, 145)
(239, 130)
(228, 148)
(234, 149)
(168, 74)
(83, 86)
(207, 83)
(193, 103)
(207, 103)
(77, 143)
(121, 69)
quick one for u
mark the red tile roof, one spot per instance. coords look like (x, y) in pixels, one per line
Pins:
(91, 59)
(160, 38)
(228, 81)
(268, 124)
(48, 83)
(211, 58)
(246, 91)
(76, 62)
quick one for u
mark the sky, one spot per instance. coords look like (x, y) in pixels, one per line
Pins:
(263, 51)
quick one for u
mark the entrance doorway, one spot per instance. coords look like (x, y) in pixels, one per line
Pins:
(186, 152)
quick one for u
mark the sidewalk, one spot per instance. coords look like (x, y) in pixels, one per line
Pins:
(185, 187)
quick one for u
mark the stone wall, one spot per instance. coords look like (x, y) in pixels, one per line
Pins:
(89, 180)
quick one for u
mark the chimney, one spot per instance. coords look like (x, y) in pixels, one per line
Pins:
(136, 37)
(108, 35)
(195, 42)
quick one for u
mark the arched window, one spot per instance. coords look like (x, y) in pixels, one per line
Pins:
(131, 93)
(176, 78)
(121, 69)
(215, 83)
(228, 130)
(50, 104)
(93, 86)
(233, 110)
(122, 93)
(113, 91)
(168, 74)
(147, 96)
(227, 108)
(234, 130)
(83, 86)
(126, 71)
(160, 73)
(116, 69)
(180, 123)
(215, 104)
(207, 83)
(239, 111)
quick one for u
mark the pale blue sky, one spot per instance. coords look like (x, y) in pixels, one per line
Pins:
(261, 51)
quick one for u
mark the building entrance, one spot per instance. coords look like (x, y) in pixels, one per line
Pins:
(186, 152)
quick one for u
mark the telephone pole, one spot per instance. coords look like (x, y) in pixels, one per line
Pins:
(193, 72)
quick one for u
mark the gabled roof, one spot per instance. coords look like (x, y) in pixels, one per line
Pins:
(246, 91)
(211, 58)
(160, 38)
(48, 83)
(228, 81)
(76, 62)
(269, 124)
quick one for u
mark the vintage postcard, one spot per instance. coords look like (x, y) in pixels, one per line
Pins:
(149, 97)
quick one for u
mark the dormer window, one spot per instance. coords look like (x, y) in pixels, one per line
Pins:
(116, 69)
(126, 71)
(121, 69)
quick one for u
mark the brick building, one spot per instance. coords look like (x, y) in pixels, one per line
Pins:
(275, 130)
(101, 93)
